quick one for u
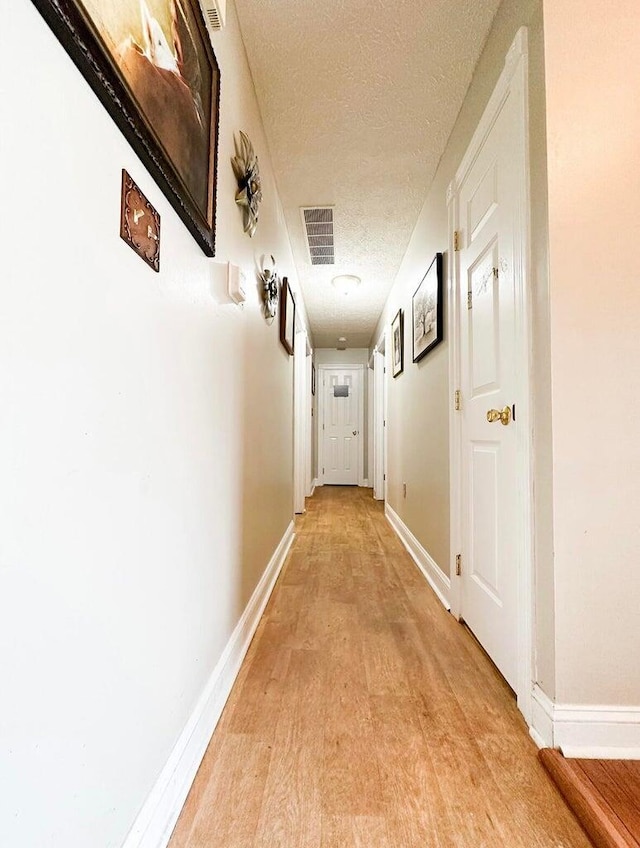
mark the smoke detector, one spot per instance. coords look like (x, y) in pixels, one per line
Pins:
(214, 13)
(342, 343)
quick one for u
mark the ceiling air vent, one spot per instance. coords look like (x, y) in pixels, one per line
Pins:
(318, 227)
(214, 13)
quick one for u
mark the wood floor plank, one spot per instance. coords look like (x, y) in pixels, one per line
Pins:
(594, 812)
(365, 716)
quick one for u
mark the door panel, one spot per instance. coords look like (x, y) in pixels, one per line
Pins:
(485, 517)
(342, 399)
(484, 342)
(487, 346)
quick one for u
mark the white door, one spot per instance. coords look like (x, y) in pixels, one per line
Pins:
(341, 417)
(490, 358)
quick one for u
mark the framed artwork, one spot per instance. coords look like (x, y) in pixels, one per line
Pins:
(313, 379)
(287, 317)
(397, 344)
(151, 64)
(426, 308)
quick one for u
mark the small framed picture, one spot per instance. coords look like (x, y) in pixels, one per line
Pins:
(426, 308)
(287, 317)
(397, 344)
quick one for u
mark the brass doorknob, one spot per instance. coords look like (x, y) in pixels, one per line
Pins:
(355, 432)
(503, 416)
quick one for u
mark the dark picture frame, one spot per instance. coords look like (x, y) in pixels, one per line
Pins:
(427, 314)
(183, 161)
(287, 317)
(397, 344)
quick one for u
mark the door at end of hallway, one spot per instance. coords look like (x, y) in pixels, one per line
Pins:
(340, 426)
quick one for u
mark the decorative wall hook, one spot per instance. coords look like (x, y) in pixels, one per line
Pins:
(247, 173)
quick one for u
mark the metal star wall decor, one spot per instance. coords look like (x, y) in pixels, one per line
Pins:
(247, 173)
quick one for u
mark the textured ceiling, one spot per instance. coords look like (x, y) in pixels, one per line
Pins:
(358, 99)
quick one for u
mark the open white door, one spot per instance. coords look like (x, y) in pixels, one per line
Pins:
(340, 425)
(493, 434)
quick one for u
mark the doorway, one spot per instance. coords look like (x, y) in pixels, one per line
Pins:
(490, 434)
(340, 425)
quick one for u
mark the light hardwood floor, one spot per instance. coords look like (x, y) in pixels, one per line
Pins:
(364, 715)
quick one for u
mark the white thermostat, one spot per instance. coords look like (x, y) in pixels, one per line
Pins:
(236, 283)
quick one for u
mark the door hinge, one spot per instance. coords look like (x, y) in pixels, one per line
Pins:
(469, 300)
(496, 273)
(384, 422)
(323, 470)
(384, 476)
(456, 240)
(458, 565)
(457, 400)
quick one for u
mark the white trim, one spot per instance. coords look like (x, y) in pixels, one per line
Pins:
(512, 82)
(159, 814)
(590, 732)
(321, 370)
(314, 483)
(300, 420)
(378, 425)
(455, 428)
(435, 576)
(541, 728)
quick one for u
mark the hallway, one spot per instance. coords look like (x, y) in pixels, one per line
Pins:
(364, 715)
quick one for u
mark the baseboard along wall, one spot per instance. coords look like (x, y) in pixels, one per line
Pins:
(434, 575)
(159, 814)
(586, 731)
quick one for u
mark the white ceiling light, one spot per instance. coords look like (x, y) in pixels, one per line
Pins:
(346, 283)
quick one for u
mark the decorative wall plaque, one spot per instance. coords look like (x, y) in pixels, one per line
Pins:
(139, 223)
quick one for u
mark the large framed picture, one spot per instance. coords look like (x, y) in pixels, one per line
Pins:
(151, 64)
(427, 315)
(397, 344)
(287, 317)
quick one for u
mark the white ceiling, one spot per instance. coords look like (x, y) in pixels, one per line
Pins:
(358, 99)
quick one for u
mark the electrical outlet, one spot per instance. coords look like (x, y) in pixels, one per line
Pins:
(404, 490)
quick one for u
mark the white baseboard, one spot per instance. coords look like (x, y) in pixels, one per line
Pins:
(541, 729)
(158, 816)
(436, 577)
(364, 484)
(314, 483)
(591, 732)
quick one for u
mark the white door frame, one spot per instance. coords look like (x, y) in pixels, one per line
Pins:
(301, 394)
(321, 371)
(512, 83)
(308, 460)
(379, 418)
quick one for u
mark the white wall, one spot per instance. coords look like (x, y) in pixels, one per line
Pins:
(135, 409)
(593, 122)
